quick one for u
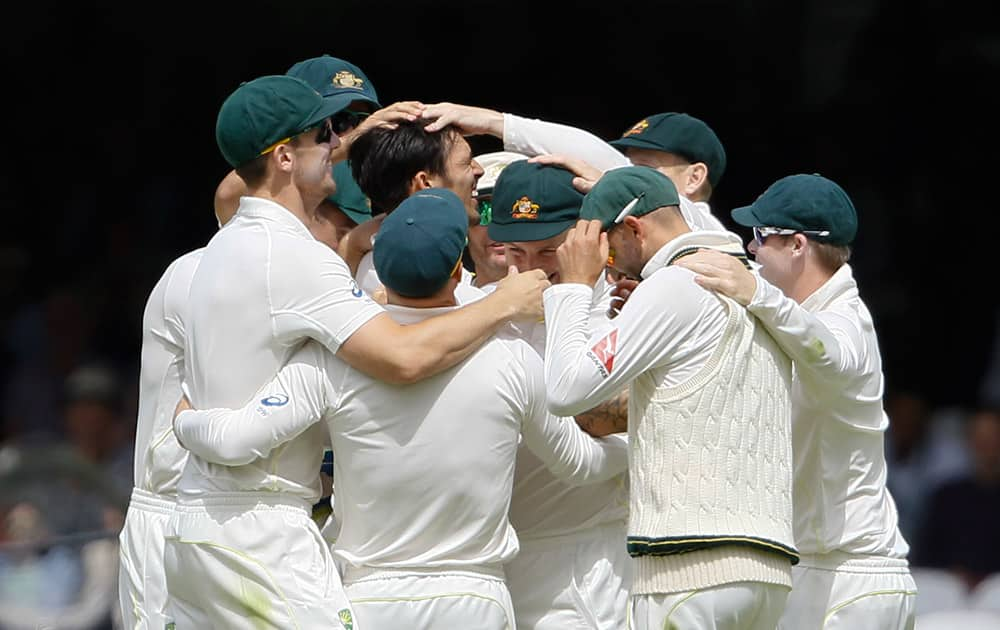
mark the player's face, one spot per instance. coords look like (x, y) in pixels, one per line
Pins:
(528, 255)
(775, 258)
(313, 172)
(461, 173)
(487, 255)
(625, 251)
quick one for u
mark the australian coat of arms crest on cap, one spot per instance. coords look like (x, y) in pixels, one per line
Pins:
(638, 127)
(347, 79)
(524, 208)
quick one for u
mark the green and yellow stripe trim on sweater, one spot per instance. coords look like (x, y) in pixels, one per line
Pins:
(672, 545)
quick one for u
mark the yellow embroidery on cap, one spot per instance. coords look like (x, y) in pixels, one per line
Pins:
(524, 208)
(347, 79)
(638, 127)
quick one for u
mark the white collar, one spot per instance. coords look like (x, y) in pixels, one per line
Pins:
(708, 239)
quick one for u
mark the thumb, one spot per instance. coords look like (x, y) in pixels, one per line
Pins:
(582, 185)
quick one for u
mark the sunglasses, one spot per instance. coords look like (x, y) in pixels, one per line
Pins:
(345, 120)
(325, 134)
(760, 234)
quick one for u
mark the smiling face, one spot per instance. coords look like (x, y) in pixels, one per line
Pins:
(529, 255)
(460, 174)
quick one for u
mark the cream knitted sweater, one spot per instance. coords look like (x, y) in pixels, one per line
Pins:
(710, 468)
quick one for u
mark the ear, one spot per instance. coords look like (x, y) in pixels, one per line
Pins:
(284, 157)
(799, 244)
(695, 176)
(635, 225)
(420, 181)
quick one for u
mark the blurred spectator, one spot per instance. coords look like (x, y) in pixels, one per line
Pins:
(963, 516)
(92, 412)
(922, 451)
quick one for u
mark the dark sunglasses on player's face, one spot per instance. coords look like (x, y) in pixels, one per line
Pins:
(325, 133)
(345, 120)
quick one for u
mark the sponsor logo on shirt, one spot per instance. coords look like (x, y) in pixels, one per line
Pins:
(346, 618)
(603, 352)
(355, 289)
(276, 400)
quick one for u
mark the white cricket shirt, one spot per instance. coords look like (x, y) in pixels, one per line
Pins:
(263, 287)
(532, 137)
(840, 499)
(423, 472)
(159, 459)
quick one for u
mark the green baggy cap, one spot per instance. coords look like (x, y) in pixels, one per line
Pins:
(681, 134)
(810, 203)
(264, 111)
(533, 202)
(645, 187)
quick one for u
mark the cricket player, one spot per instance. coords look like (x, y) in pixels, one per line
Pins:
(853, 572)
(488, 259)
(573, 570)
(424, 471)
(263, 286)
(710, 509)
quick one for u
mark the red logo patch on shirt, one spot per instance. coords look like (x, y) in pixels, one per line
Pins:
(604, 351)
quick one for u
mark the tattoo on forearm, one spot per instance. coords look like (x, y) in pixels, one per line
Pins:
(609, 417)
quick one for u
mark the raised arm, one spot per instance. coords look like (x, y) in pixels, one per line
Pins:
(281, 410)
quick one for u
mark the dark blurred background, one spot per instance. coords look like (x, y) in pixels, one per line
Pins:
(112, 164)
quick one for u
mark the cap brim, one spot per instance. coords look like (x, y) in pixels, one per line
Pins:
(326, 109)
(512, 232)
(355, 215)
(343, 99)
(746, 216)
(638, 143)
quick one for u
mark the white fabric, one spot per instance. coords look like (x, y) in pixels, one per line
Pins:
(263, 286)
(581, 528)
(395, 599)
(538, 137)
(842, 592)
(740, 606)
(575, 581)
(841, 500)
(142, 582)
(159, 459)
(251, 561)
(958, 620)
(406, 456)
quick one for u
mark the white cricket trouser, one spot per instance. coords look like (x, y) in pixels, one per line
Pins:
(736, 606)
(841, 591)
(467, 598)
(142, 583)
(251, 560)
(577, 581)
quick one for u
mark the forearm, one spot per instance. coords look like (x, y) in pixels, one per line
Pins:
(611, 416)
(279, 412)
(406, 354)
(538, 137)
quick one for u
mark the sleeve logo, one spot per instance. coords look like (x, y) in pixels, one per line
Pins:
(277, 400)
(603, 352)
